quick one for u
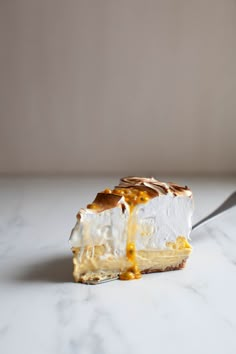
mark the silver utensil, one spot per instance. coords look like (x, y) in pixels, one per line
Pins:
(96, 282)
(229, 203)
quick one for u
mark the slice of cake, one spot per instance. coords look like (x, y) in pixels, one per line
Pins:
(141, 226)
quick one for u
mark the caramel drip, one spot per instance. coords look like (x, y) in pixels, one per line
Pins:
(132, 272)
(133, 197)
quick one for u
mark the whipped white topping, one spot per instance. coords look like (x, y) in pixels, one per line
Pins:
(158, 221)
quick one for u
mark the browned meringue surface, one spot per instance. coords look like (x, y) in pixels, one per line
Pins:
(153, 188)
(159, 187)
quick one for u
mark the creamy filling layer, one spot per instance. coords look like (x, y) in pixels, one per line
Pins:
(96, 263)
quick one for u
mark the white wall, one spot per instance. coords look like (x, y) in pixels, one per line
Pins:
(118, 86)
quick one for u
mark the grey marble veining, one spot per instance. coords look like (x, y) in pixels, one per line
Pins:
(43, 312)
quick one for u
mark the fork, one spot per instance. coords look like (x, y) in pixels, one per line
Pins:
(229, 203)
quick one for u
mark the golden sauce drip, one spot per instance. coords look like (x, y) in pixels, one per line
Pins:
(133, 197)
(181, 243)
(132, 272)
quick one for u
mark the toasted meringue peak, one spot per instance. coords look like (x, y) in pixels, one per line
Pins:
(159, 187)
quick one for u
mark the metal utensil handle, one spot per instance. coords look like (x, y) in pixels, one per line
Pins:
(227, 204)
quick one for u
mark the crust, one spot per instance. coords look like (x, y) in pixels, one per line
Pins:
(167, 269)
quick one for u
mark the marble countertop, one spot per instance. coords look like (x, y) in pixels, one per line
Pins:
(43, 312)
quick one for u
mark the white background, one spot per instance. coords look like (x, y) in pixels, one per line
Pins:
(118, 86)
